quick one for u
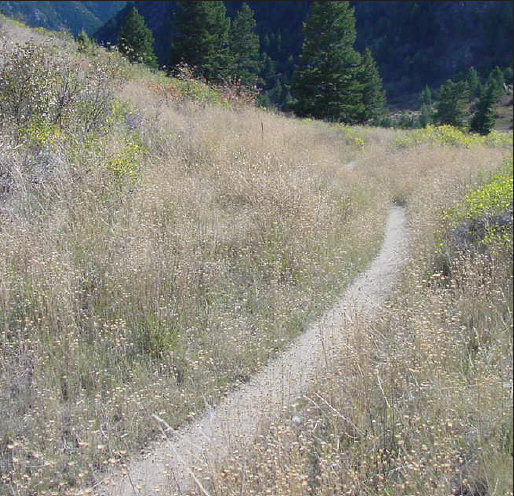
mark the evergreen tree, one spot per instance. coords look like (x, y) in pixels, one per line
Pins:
(426, 116)
(497, 80)
(425, 98)
(373, 96)
(497, 75)
(276, 93)
(474, 84)
(288, 101)
(452, 104)
(326, 82)
(136, 40)
(244, 47)
(508, 75)
(84, 41)
(483, 119)
(201, 39)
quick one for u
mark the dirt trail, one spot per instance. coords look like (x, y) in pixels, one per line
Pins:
(236, 421)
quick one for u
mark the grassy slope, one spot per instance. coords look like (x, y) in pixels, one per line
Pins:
(160, 241)
(420, 401)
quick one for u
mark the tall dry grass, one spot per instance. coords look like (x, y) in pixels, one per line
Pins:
(419, 401)
(154, 259)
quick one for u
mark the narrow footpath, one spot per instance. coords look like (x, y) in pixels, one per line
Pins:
(234, 424)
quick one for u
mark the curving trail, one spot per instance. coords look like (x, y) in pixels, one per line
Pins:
(236, 421)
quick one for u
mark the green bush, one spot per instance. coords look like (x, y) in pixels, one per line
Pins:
(483, 219)
(450, 136)
(42, 95)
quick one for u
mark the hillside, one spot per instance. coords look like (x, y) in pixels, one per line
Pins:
(163, 242)
(414, 43)
(62, 15)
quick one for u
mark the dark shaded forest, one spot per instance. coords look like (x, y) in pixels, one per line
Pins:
(414, 43)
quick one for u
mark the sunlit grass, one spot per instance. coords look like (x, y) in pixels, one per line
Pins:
(161, 240)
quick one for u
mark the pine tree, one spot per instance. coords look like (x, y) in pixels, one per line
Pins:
(276, 93)
(497, 80)
(84, 42)
(474, 84)
(244, 47)
(426, 116)
(136, 40)
(373, 96)
(483, 119)
(426, 97)
(497, 74)
(288, 101)
(326, 82)
(508, 73)
(452, 104)
(201, 39)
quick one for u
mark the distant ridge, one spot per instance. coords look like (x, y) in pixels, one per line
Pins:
(63, 15)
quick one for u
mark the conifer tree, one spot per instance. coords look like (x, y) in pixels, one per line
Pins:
(84, 42)
(426, 97)
(497, 80)
(451, 107)
(497, 74)
(244, 47)
(483, 119)
(425, 101)
(508, 73)
(474, 84)
(136, 40)
(426, 116)
(201, 39)
(326, 82)
(373, 96)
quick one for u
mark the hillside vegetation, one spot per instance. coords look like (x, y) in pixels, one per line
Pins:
(70, 15)
(414, 43)
(161, 240)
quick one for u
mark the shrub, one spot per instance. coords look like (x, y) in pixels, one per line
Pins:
(450, 136)
(41, 93)
(483, 218)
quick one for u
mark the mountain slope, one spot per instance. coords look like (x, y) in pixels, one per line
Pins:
(414, 43)
(63, 15)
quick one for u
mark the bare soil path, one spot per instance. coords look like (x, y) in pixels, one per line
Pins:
(236, 421)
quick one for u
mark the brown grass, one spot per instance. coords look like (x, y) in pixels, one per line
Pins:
(148, 268)
(419, 401)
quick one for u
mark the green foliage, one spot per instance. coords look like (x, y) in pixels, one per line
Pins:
(44, 96)
(84, 42)
(485, 204)
(201, 39)
(483, 119)
(474, 84)
(373, 96)
(326, 82)
(136, 40)
(426, 97)
(27, 80)
(497, 75)
(451, 136)
(125, 163)
(244, 47)
(427, 115)
(452, 103)
(508, 75)
(491, 199)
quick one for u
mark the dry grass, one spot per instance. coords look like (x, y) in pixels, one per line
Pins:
(150, 263)
(147, 268)
(420, 400)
